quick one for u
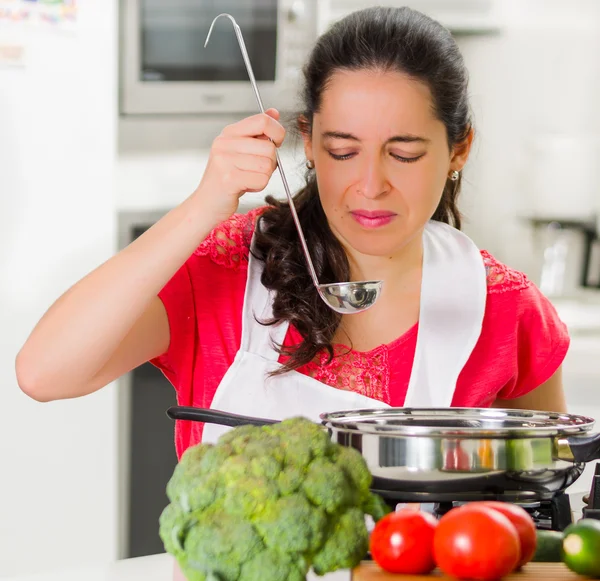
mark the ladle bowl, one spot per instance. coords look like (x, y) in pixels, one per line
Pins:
(343, 297)
(350, 297)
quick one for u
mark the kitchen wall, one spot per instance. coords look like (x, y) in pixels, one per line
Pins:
(538, 80)
(57, 221)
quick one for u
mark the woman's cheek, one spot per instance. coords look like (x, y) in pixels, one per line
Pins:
(332, 197)
(426, 192)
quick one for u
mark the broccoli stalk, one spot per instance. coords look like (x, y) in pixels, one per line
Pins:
(269, 503)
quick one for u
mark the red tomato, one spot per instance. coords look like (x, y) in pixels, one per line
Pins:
(402, 542)
(524, 524)
(475, 542)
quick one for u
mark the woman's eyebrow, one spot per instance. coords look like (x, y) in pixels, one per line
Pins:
(406, 138)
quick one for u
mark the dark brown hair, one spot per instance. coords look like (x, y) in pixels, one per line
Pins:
(395, 39)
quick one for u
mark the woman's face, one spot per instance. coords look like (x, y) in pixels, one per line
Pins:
(381, 159)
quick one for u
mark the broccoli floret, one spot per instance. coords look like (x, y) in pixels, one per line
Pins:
(265, 466)
(206, 492)
(302, 440)
(290, 480)
(234, 468)
(219, 544)
(273, 566)
(249, 497)
(376, 507)
(355, 466)
(191, 489)
(346, 544)
(173, 525)
(265, 444)
(262, 451)
(239, 437)
(214, 457)
(187, 470)
(327, 485)
(192, 574)
(292, 525)
(269, 503)
(193, 455)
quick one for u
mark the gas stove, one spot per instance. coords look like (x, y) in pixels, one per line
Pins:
(554, 514)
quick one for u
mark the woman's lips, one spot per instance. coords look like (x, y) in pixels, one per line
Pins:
(373, 218)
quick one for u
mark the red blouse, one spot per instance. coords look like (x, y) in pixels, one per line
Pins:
(522, 343)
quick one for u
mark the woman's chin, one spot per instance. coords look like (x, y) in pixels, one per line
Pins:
(385, 242)
(377, 246)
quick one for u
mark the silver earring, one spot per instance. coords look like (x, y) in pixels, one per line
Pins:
(454, 175)
(310, 164)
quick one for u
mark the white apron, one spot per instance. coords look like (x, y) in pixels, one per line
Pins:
(453, 295)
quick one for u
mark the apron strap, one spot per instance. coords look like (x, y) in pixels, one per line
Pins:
(258, 306)
(453, 298)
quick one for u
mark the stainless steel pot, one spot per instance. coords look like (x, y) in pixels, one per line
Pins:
(454, 453)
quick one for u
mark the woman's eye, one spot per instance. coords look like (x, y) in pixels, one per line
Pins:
(341, 157)
(405, 159)
(401, 158)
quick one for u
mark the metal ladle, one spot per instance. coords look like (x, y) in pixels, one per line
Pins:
(344, 297)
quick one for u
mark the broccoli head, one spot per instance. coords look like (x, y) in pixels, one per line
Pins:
(269, 503)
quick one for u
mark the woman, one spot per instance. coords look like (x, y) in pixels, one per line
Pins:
(224, 305)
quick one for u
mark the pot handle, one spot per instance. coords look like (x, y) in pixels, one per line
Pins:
(210, 416)
(579, 448)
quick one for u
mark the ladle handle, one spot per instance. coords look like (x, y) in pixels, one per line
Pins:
(240, 38)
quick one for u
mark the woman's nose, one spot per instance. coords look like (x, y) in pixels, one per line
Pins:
(374, 183)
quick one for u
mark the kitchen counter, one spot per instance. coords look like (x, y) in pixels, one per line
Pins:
(152, 568)
(545, 571)
(160, 568)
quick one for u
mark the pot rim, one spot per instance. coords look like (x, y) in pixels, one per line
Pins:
(497, 422)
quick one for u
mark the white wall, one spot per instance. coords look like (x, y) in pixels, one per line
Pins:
(540, 76)
(57, 148)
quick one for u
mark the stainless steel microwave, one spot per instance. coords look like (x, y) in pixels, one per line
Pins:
(165, 68)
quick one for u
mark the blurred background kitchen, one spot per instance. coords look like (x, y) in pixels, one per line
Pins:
(107, 111)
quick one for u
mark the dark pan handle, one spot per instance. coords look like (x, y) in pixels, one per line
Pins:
(215, 417)
(581, 448)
